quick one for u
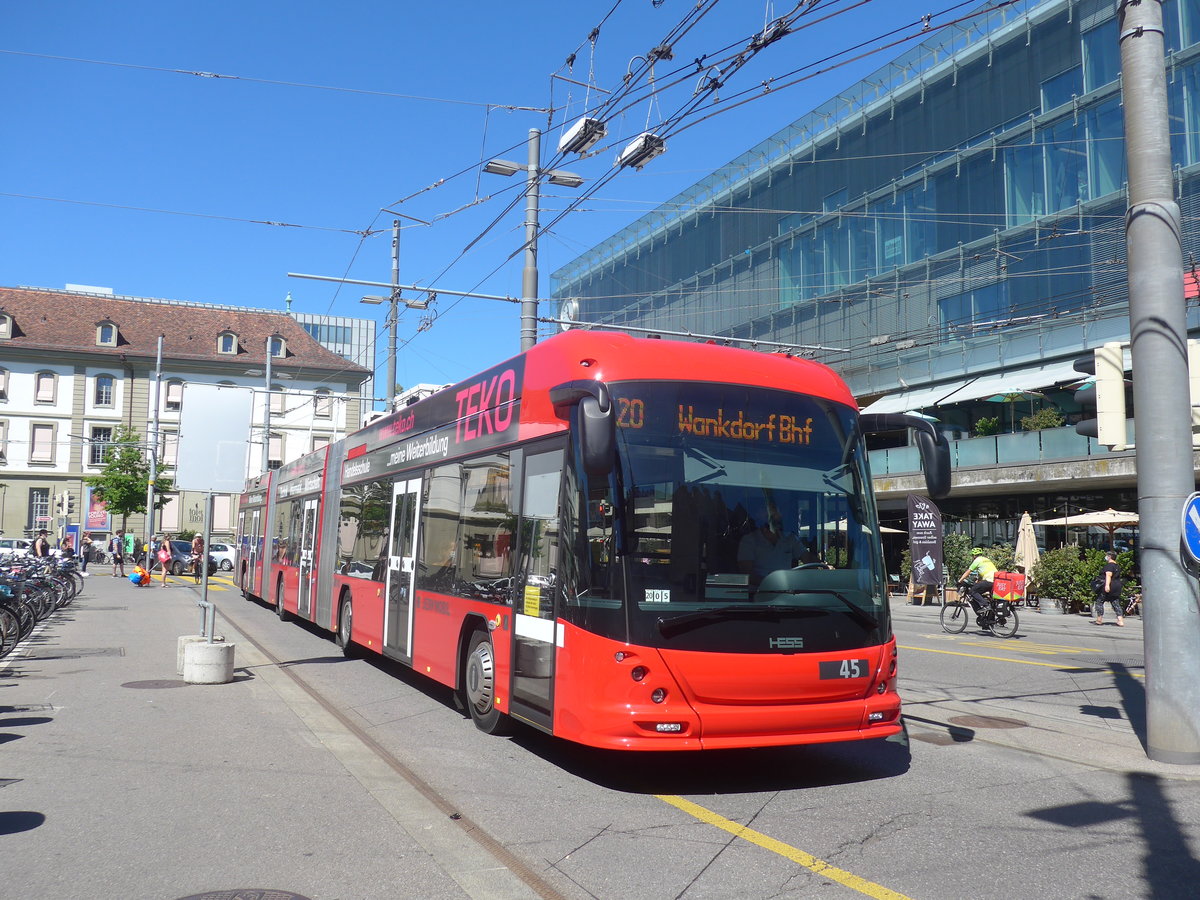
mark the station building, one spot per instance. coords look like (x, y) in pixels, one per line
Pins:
(948, 235)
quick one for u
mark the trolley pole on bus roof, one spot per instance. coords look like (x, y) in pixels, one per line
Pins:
(1162, 409)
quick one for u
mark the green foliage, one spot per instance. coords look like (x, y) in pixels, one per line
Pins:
(122, 483)
(1046, 417)
(987, 425)
(1061, 574)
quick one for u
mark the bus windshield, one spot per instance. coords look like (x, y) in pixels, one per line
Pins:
(748, 522)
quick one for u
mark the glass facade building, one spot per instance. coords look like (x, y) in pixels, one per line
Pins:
(961, 210)
(352, 339)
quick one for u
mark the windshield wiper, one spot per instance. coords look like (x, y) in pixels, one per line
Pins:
(687, 621)
(860, 615)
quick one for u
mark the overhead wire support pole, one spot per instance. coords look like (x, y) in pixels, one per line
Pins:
(152, 444)
(393, 316)
(1162, 407)
(529, 274)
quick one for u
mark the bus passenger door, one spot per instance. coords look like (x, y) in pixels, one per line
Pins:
(308, 530)
(537, 589)
(255, 549)
(402, 552)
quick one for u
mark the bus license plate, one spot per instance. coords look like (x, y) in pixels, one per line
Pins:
(844, 668)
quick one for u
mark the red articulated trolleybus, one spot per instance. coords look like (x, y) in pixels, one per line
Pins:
(628, 543)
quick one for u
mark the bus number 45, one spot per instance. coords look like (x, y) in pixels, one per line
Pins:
(844, 668)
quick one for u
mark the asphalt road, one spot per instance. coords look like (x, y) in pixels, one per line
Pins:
(1023, 776)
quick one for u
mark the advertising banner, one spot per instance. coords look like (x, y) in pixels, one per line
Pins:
(95, 513)
(925, 539)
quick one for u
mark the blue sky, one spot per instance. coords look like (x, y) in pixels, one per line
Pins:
(217, 155)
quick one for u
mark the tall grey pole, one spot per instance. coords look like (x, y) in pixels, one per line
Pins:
(1162, 408)
(529, 276)
(266, 447)
(152, 442)
(393, 316)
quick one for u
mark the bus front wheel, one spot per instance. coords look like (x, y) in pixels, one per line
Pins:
(280, 610)
(345, 625)
(479, 686)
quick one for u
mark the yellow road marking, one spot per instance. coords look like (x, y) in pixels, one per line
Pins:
(1009, 659)
(819, 866)
(1026, 647)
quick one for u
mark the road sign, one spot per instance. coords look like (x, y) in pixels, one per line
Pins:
(1191, 526)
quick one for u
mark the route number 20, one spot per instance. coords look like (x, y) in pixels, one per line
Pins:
(631, 413)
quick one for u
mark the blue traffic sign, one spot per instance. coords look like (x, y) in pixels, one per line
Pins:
(1191, 526)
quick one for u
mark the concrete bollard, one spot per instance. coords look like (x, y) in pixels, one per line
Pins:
(184, 640)
(205, 663)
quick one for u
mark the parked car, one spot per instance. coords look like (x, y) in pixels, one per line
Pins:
(15, 546)
(223, 554)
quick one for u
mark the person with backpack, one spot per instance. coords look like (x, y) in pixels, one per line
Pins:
(1108, 587)
(116, 547)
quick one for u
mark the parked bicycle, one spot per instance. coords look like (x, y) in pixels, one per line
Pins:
(999, 617)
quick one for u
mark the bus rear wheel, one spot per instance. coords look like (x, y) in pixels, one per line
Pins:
(479, 686)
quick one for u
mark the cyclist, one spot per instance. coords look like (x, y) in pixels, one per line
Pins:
(197, 555)
(979, 594)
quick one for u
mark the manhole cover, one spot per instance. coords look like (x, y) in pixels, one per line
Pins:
(158, 683)
(987, 722)
(246, 894)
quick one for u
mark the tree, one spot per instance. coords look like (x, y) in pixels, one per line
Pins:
(122, 483)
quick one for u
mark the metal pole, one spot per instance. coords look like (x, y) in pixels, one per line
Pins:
(152, 442)
(1162, 412)
(529, 276)
(209, 610)
(266, 447)
(393, 316)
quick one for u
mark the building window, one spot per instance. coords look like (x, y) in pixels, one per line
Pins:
(3, 441)
(1101, 56)
(174, 396)
(39, 508)
(98, 448)
(277, 396)
(277, 346)
(106, 334)
(41, 444)
(322, 404)
(320, 442)
(275, 452)
(168, 448)
(3, 384)
(5, 325)
(103, 395)
(45, 387)
(227, 342)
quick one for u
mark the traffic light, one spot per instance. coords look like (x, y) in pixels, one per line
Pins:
(1105, 394)
(60, 504)
(69, 504)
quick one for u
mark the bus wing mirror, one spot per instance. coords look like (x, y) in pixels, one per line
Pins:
(593, 422)
(931, 443)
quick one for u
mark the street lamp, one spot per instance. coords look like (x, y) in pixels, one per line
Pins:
(529, 275)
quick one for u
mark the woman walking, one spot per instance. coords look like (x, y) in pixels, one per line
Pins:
(163, 552)
(1109, 589)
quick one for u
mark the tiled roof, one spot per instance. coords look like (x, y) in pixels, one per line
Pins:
(66, 321)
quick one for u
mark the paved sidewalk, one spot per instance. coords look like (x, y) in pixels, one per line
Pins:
(121, 781)
(1059, 731)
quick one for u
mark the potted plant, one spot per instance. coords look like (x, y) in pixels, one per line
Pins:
(987, 425)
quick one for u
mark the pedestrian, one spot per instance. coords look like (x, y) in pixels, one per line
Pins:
(66, 547)
(116, 547)
(1108, 587)
(85, 551)
(163, 552)
(41, 546)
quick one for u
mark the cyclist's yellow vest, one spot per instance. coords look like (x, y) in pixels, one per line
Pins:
(985, 567)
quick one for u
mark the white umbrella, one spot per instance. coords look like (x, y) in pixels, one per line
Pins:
(1109, 519)
(1026, 555)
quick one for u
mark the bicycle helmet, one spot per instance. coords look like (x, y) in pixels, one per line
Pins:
(977, 551)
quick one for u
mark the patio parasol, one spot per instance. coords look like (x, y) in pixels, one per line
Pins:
(1026, 555)
(1109, 519)
(1012, 395)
